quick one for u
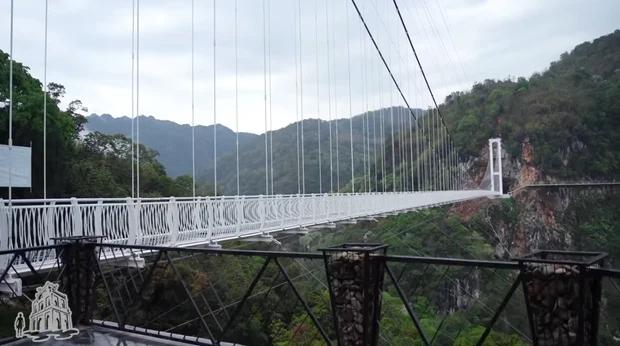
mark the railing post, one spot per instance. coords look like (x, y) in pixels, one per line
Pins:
(314, 207)
(132, 221)
(299, 208)
(49, 221)
(261, 203)
(98, 212)
(76, 218)
(326, 209)
(281, 210)
(196, 216)
(173, 220)
(210, 218)
(4, 232)
(240, 217)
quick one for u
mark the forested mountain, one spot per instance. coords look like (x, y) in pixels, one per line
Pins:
(173, 141)
(564, 122)
(569, 113)
(366, 133)
(96, 165)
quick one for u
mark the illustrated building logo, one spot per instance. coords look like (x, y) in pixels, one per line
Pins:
(50, 316)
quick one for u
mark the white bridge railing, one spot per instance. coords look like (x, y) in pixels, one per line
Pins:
(188, 221)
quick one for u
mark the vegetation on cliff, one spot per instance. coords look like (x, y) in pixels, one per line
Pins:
(570, 113)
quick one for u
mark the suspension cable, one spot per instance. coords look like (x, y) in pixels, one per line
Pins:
(236, 93)
(318, 90)
(301, 96)
(410, 126)
(417, 158)
(402, 21)
(329, 99)
(11, 108)
(433, 150)
(265, 97)
(350, 101)
(269, 87)
(214, 98)
(374, 138)
(138, 98)
(382, 130)
(429, 156)
(193, 113)
(393, 144)
(45, 105)
(297, 104)
(335, 102)
(364, 113)
(133, 100)
(387, 66)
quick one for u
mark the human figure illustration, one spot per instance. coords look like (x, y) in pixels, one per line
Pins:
(20, 324)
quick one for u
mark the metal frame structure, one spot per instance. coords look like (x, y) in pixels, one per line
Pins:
(123, 293)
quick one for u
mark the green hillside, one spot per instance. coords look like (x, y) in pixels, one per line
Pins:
(570, 113)
(285, 154)
(95, 165)
(173, 141)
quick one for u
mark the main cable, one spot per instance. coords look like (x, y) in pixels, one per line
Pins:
(387, 66)
(428, 86)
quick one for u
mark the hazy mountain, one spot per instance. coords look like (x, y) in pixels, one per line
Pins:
(285, 154)
(173, 141)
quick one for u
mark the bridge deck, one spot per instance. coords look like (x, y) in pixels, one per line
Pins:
(189, 221)
(184, 222)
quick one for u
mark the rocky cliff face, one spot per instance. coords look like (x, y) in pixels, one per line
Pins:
(535, 217)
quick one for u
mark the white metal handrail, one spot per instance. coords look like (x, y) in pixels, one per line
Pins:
(185, 221)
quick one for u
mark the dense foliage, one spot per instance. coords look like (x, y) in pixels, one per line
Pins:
(173, 141)
(92, 165)
(570, 113)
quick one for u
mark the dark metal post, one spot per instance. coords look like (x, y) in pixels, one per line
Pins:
(80, 261)
(355, 279)
(562, 295)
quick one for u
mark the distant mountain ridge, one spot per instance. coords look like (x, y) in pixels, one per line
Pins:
(173, 141)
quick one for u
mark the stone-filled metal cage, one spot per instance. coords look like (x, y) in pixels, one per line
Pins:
(562, 296)
(355, 281)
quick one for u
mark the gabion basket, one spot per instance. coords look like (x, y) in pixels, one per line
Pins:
(562, 296)
(355, 279)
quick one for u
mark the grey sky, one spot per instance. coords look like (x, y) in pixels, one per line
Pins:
(460, 42)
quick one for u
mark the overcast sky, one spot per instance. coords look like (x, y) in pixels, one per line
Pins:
(459, 42)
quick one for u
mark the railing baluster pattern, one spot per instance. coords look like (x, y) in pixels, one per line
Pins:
(188, 221)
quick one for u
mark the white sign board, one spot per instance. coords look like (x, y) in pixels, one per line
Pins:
(20, 161)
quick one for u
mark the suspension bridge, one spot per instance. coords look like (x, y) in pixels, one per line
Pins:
(412, 147)
(108, 254)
